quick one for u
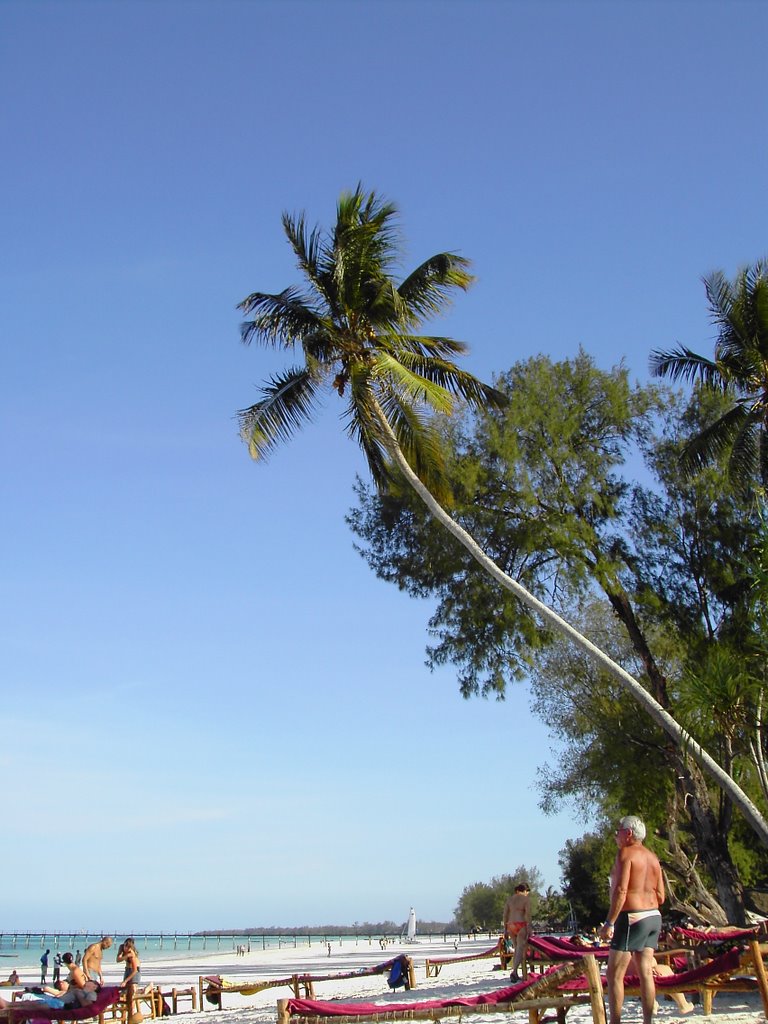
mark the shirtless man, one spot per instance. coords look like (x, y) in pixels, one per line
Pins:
(92, 959)
(634, 919)
(517, 924)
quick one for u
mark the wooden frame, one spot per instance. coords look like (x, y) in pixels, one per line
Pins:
(538, 998)
(301, 984)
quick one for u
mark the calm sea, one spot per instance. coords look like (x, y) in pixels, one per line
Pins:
(23, 952)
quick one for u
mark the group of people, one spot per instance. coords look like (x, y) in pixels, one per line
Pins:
(85, 978)
(632, 927)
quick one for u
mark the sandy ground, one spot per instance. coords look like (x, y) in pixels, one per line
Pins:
(470, 978)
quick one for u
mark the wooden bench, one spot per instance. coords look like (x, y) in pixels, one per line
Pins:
(175, 994)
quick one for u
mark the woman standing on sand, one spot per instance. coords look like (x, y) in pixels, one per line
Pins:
(128, 954)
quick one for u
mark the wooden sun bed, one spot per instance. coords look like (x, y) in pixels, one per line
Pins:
(213, 987)
(23, 1010)
(737, 970)
(535, 997)
(434, 965)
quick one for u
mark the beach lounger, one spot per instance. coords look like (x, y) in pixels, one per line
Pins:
(545, 951)
(434, 965)
(534, 996)
(24, 1010)
(213, 987)
(737, 970)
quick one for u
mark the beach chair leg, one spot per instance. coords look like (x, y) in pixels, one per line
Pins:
(283, 1013)
(595, 983)
(760, 974)
(706, 1000)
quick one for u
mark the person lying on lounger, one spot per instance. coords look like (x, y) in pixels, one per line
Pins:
(679, 998)
(75, 991)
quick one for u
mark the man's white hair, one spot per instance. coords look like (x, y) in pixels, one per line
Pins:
(635, 826)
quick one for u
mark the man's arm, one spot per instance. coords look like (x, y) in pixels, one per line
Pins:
(660, 892)
(619, 891)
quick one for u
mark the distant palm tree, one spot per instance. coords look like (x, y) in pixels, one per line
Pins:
(739, 370)
(354, 327)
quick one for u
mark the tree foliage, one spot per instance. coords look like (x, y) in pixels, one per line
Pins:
(481, 905)
(542, 484)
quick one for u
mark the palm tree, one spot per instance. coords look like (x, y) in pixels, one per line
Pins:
(353, 327)
(739, 370)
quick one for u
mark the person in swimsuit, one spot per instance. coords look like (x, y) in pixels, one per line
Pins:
(91, 962)
(634, 919)
(128, 954)
(517, 925)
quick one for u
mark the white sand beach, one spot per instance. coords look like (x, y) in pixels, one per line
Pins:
(468, 978)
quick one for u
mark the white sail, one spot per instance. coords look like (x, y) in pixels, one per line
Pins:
(411, 932)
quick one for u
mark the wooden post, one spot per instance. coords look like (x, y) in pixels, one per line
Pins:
(283, 1013)
(411, 973)
(706, 994)
(595, 988)
(762, 978)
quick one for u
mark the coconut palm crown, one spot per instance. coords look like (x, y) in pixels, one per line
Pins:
(357, 332)
(739, 309)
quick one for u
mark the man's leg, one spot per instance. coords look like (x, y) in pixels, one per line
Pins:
(521, 941)
(644, 966)
(618, 961)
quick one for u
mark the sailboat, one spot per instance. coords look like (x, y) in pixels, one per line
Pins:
(410, 934)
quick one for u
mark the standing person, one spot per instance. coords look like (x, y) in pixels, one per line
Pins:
(128, 954)
(517, 924)
(634, 919)
(44, 966)
(56, 968)
(92, 958)
(78, 957)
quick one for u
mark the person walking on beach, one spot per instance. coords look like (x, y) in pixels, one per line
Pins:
(92, 958)
(634, 919)
(44, 966)
(517, 925)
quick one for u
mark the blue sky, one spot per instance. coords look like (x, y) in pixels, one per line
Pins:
(213, 714)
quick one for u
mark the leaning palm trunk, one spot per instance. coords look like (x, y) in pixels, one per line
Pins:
(659, 715)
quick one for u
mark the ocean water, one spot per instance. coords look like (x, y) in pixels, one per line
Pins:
(23, 951)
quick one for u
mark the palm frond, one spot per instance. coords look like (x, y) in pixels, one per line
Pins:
(312, 257)
(712, 443)
(682, 363)
(285, 406)
(415, 387)
(363, 427)
(420, 443)
(429, 345)
(744, 458)
(426, 291)
(283, 319)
